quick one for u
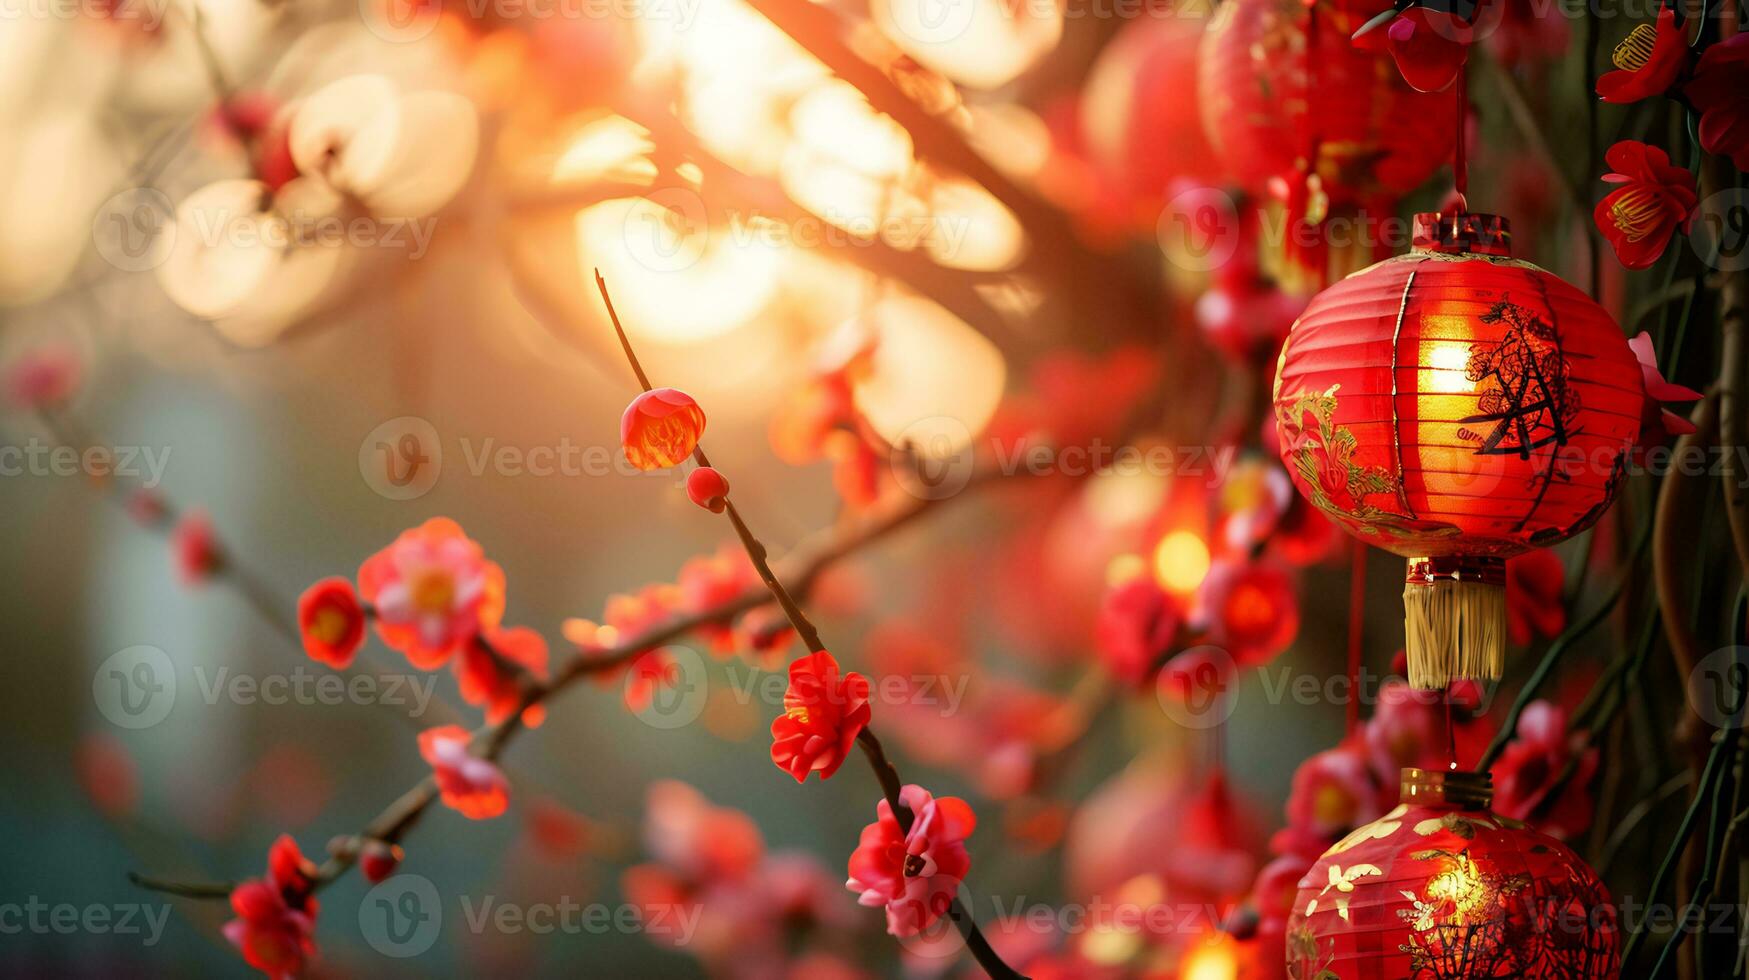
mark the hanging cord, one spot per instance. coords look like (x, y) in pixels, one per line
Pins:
(1460, 164)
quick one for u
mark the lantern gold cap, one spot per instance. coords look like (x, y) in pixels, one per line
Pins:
(1448, 787)
(1463, 233)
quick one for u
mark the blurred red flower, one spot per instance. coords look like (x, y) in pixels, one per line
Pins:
(913, 875)
(483, 681)
(433, 590)
(660, 428)
(1655, 199)
(276, 915)
(702, 841)
(1253, 610)
(1137, 625)
(1534, 762)
(194, 548)
(331, 622)
(1719, 91)
(822, 715)
(1535, 606)
(43, 378)
(469, 785)
(1648, 63)
(1333, 792)
(708, 581)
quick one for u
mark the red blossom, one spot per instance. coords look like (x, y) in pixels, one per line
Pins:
(1138, 623)
(276, 914)
(708, 581)
(660, 428)
(433, 590)
(1253, 610)
(1719, 91)
(1535, 607)
(43, 378)
(1656, 198)
(1333, 792)
(483, 681)
(822, 714)
(194, 548)
(708, 488)
(331, 622)
(1657, 423)
(468, 784)
(1430, 47)
(703, 842)
(913, 875)
(379, 859)
(1648, 63)
(1532, 764)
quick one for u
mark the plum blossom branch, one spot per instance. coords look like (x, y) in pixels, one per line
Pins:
(803, 567)
(885, 773)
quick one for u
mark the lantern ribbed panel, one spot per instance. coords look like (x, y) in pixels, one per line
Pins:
(1376, 137)
(1437, 405)
(1441, 893)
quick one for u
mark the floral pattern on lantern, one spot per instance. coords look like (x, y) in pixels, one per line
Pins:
(1442, 889)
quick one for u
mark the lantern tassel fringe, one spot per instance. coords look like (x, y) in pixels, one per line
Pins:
(1454, 629)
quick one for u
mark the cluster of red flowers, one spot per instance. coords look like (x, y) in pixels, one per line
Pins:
(276, 914)
(1656, 198)
(1219, 576)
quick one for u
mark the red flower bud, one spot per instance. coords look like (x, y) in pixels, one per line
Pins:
(660, 428)
(378, 859)
(708, 488)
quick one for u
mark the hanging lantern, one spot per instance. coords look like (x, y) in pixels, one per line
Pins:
(1294, 110)
(1280, 80)
(1442, 889)
(1139, 111)
(1457, 406)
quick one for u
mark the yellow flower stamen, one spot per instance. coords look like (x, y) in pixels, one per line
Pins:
(1635, 213)
(1635, 50)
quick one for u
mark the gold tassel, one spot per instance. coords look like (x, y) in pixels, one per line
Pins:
(1454, 620)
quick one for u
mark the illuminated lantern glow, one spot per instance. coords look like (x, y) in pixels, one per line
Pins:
(1457, 406)
(1443, 889)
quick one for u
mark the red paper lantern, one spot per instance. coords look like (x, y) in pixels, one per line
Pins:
(1442, 889)
(1140, 113)
(1284, 90)
(1457, 406)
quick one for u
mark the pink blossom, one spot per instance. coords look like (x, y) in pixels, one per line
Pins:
(913, 875)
